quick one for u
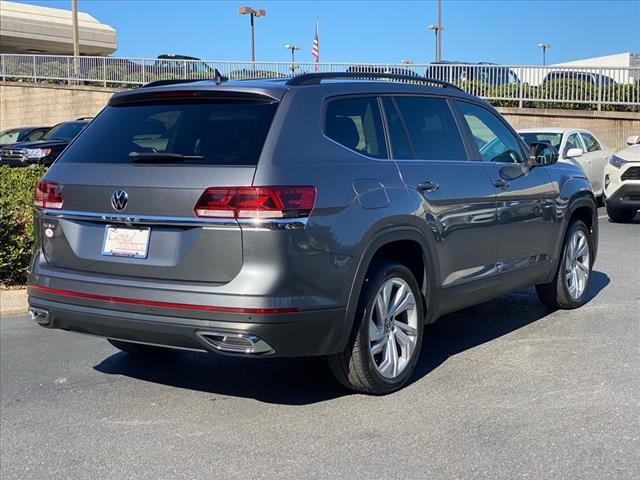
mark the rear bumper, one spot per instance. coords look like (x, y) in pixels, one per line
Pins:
(304, 333)
(626, 196)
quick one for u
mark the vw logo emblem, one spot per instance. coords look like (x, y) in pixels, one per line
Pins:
(119, 200)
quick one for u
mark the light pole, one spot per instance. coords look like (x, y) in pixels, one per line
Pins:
(252, 13)
(293, 48)
(438, 30)
(544, 47)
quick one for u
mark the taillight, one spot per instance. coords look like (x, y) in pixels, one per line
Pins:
(48, 195)
(256, 202)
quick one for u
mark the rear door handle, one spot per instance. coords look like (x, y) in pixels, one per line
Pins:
(501, 184)
(428, 187)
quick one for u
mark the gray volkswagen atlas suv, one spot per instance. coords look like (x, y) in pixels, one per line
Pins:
(327, 214)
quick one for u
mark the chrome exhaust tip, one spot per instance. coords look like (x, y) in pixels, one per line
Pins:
(241, 343)
(39, 315)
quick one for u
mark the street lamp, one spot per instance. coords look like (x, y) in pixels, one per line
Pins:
(438, 30)
(293, 48)
(252, 13)
(544, 47)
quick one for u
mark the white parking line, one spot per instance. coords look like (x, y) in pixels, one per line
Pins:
(603, 216)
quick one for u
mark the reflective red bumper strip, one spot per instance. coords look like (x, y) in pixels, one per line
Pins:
(151, 303)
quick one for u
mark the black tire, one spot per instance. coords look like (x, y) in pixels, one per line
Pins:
(621, 215)
(139, 349)
(354, 368)
(556, 293)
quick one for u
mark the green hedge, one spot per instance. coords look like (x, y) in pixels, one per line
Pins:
(16, 221)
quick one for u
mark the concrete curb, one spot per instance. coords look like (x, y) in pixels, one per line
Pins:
(13, 301)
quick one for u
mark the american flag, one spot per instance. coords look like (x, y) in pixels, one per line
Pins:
(315, 50)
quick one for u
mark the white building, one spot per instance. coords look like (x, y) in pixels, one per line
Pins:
(48, 31)
(621, 67)
(627, 59)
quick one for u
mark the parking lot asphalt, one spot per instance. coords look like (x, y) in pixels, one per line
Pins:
(507, 389)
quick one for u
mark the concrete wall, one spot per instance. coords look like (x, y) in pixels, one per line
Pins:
(612, 128)
(24, 104)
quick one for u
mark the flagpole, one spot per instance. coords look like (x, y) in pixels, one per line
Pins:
(316, 45)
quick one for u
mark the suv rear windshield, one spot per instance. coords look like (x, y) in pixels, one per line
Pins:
(205, 133)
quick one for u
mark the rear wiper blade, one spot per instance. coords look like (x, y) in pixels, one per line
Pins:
(153, 157)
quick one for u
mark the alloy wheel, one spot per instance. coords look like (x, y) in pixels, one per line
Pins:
(576, 264)
(393, 328)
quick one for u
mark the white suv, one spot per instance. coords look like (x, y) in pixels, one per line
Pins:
(622, 182)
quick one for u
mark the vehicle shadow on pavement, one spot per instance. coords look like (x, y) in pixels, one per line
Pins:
(468, 328)
(303, 381)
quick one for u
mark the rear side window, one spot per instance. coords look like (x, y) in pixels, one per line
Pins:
(206, 133)
(432, 130)
(35, 135)
(355, 123)
(65, 131)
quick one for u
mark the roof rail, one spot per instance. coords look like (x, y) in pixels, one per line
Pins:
(316, 78)
(217, 78)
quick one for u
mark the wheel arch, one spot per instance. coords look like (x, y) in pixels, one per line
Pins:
(380, 246)
(581, 204)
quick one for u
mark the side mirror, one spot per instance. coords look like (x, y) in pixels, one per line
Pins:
(574, 152)
(541, 154)
(633, 140)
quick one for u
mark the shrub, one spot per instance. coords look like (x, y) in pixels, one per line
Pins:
(16, 221)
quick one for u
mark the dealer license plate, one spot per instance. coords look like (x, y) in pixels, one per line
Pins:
(126, 242)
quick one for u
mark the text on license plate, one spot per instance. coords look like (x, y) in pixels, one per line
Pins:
(126, 242)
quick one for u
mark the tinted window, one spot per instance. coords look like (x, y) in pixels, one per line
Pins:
(35, 135)
(355, 123)
(213, 133)
(431, 127)
(495, 141)
(64, 131)
(400, 145)
(590, 143)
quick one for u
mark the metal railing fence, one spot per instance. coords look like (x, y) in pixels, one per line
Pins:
(504, 85)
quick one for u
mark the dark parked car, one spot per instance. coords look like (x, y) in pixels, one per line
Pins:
(24, 134)
(327, 214)
(43, 151)
(588, 77)
(382, 69)
(483, 72)
(183, 65)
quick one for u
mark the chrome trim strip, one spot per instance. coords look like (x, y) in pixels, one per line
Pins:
(248, 223)
(137, 219)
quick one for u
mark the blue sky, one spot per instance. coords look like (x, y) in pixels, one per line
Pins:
(372, 31)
